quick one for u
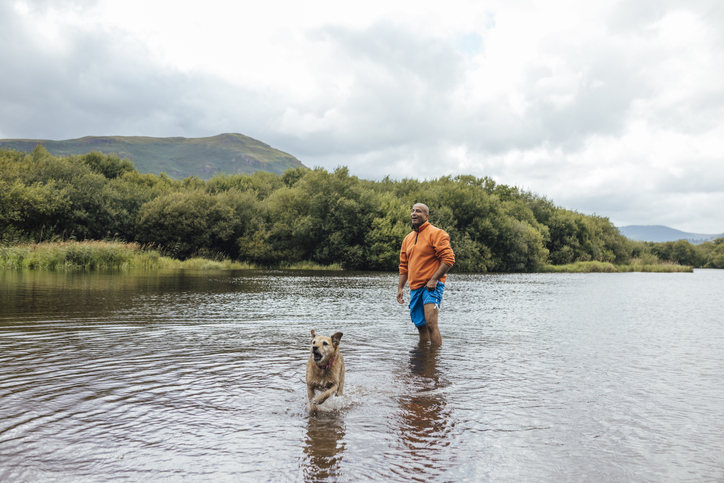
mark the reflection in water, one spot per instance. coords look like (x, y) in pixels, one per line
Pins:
(424, 424)
(323, 447)
(178, 376)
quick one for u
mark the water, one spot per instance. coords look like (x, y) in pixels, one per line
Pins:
(200, 377)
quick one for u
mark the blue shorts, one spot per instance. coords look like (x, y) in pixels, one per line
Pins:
(421, 297)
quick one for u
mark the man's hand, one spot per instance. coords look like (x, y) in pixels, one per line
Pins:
(441, 270)
(401, 288)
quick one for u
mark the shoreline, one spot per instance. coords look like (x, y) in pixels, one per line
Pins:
(606, 267)
(92, 255)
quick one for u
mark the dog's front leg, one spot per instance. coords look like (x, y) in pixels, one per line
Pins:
(310, 394)
(326, 394)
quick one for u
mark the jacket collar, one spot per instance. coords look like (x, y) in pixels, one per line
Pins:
(422, 227)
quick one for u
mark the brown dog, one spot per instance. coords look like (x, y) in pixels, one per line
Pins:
(325, 368)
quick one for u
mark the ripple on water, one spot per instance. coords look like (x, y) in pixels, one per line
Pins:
(201, 376)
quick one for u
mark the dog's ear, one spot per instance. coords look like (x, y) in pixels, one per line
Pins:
(336, 338)
(313, 336)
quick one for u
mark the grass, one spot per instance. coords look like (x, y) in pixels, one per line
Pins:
(90, 255)
(605, 267)
(307, 265)
(580, 267)
(657, 267)
(71, 255)
(85, 255)
(206, 264)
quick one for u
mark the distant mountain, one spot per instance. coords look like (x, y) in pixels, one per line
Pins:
(660, 233)
(177, 157)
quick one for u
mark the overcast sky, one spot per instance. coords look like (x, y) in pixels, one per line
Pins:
(606, 107)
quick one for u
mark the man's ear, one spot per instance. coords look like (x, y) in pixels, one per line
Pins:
(336, 338)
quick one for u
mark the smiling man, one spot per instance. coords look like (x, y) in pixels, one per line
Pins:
(425, 258)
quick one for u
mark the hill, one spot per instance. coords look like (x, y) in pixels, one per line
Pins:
(660, 233)
(178, 157)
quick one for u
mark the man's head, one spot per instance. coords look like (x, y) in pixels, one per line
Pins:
(420, 214)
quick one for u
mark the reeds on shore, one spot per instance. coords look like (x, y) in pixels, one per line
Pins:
(85, 255)
(90, 255)
(606, 267)
(308, 265)
(72, 255)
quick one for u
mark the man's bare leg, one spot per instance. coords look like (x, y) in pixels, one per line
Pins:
(424, 334)
(431, 324)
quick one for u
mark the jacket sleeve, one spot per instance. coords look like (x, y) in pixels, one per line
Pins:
(443, 250)
(403, 257)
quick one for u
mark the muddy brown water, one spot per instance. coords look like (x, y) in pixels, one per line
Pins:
(199, 376)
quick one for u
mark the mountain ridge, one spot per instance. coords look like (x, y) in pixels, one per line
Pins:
(661, 233)
(179, 157)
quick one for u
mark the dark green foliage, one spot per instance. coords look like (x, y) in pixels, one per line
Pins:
(714, 253)
(306, 215)
(681, 252)
(110, 166)
(186, 222)
(570, 237)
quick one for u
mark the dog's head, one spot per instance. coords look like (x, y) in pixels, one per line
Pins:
(325, 348)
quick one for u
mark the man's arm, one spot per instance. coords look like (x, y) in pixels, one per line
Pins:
(444, 253)
(401, 288)
(432, 283)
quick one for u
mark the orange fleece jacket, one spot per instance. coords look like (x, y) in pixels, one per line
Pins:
(422, 252)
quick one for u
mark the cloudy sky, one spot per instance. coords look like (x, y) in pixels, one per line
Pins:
(607, 107)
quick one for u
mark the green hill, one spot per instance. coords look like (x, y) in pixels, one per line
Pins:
(660, 233)
(177, 157)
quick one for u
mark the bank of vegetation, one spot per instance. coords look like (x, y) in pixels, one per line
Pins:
(94, 254)
(303, 218)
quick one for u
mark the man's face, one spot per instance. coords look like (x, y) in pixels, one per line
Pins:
(419, 215)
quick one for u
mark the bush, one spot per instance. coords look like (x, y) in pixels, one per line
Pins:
(308, 216)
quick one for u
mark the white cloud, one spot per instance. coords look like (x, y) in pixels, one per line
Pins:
(607, 107)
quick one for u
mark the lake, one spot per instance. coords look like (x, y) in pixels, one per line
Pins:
(199, 376)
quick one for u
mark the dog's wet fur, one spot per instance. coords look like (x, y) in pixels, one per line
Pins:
(325, 368)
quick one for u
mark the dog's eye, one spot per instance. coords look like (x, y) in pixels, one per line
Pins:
(325, 343)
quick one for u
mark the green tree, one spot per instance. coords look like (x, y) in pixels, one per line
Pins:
(109, 165)
(681, 252)
(684, 253)
(387, 230)
(316, 215)
(31, 211)
(186, 222)
(715, 258)
(570, 237)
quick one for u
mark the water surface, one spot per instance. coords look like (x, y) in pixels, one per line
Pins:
(199, 376)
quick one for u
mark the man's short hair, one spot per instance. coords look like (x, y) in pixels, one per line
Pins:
(423, 204)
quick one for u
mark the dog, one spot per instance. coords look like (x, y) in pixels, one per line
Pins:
(325, 368)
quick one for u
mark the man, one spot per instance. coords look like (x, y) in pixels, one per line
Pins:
(425, 258)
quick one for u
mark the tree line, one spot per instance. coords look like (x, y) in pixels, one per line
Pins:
(307, 215)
